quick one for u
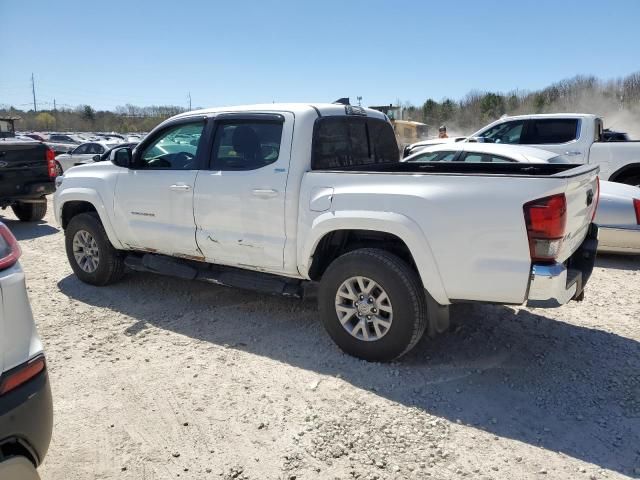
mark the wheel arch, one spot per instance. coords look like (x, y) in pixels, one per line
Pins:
(335, 233)
(630, 169)
(74, 203)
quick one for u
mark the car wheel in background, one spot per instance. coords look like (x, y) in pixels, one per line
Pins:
(30, 212)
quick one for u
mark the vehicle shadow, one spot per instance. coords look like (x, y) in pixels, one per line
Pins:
(618, 262)
(513, 373)
(28, 230)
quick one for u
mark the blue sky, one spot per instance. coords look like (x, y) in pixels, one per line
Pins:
(230, 52)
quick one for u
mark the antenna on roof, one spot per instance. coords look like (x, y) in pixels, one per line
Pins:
(342, 101)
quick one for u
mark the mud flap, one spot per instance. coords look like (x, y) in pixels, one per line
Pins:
(437, 316)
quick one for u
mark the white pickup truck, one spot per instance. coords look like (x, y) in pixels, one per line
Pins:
(578, 136)
(278, 198)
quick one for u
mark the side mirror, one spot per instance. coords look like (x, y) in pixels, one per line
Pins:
(96, 158)
(70, 151)
(122, 157)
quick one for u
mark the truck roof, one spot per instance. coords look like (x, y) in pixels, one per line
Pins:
(550, 115)
(324, 109)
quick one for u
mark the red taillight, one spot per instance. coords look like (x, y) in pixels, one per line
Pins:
(50, 155)
(22, 374)
(546, 221)
(9, 249)
(595, 208)
(636, 207)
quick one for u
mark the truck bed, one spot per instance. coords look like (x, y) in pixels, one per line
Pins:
(563, 170)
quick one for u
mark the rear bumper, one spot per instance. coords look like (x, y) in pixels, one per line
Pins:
(33, 191)
(615, 239)
(26, 418)
(555, 284)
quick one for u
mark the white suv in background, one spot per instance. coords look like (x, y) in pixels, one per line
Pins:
(26, 413)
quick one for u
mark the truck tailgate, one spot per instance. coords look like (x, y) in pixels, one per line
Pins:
(22, 165)
(581, 195)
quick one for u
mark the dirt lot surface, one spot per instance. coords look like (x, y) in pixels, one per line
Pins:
(157, 378)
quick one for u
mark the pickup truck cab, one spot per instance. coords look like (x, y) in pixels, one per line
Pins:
(283, 197)
(576, 135)
(27, 174)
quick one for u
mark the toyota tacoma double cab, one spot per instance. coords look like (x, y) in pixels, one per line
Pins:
(288, 198)
(27, 174)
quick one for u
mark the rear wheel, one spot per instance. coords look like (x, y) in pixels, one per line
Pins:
(30, 212)
(90, 253)
(372, 304)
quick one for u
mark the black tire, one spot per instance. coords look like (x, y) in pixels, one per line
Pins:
(110, 263)
(30, 212)
(631, 180)
(405, 292)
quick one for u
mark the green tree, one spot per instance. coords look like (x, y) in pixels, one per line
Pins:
(45, 121)
(88, 113)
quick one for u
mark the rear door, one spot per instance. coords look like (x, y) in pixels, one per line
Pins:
(154, 199)
(239, 203)
(559, 135)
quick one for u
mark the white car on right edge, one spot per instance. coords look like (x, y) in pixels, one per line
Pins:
(618, 212)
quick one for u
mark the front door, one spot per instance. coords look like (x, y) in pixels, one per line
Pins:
(154, 198)
(239, 203)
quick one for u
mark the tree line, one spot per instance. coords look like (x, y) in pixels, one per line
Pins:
(84, 118)
(582, 94)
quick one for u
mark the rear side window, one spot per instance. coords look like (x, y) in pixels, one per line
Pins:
(551, 130)
(475, 157)
(246, 145)
(440, 156)
(352, 141)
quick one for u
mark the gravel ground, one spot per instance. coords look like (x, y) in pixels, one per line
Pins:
(157, 378)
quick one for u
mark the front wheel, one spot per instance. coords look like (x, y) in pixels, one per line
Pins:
(372, 304)
(30, 212)
(90, 253)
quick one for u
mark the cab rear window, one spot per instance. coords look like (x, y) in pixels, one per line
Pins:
(549, 131)
(351, 141)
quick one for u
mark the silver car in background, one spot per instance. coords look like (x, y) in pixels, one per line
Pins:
(618, 213)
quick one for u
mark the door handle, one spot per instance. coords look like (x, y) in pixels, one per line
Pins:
(572, 153)
(180, 188)
(264, 192)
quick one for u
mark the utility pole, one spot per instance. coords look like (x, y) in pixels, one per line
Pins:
(359, 101)
(33, 89)
(54, 105)
(189, 101)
